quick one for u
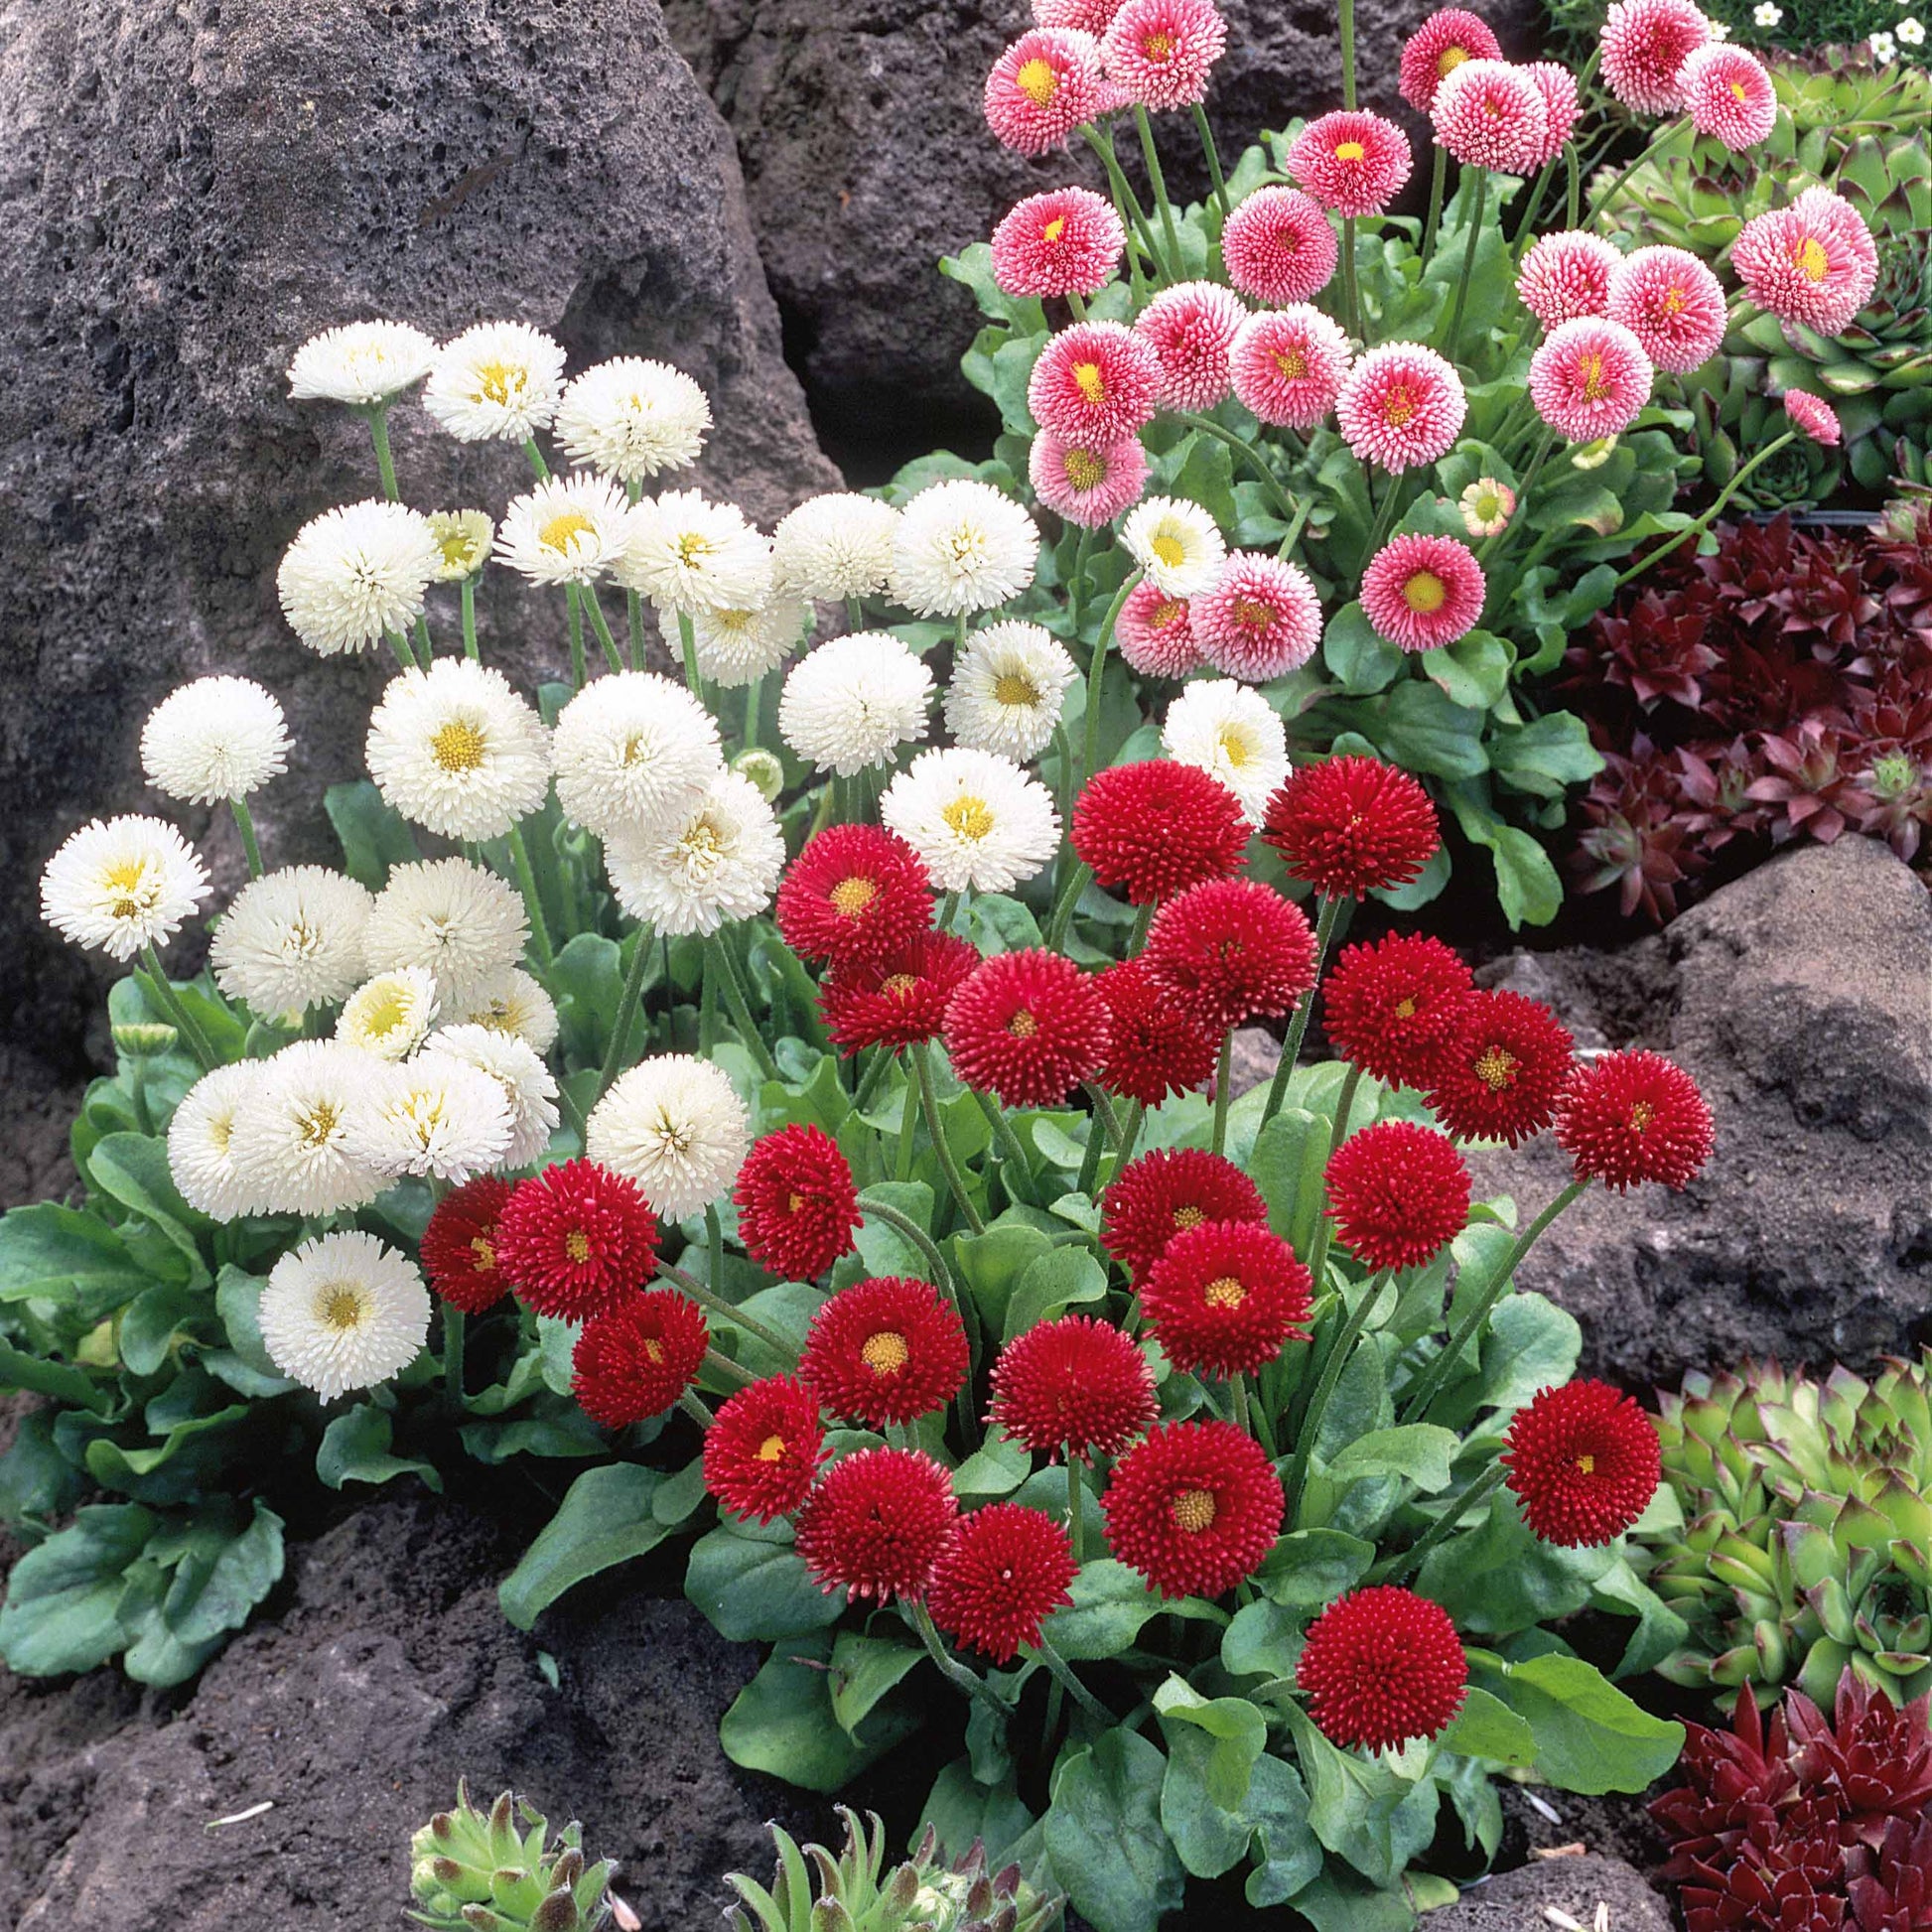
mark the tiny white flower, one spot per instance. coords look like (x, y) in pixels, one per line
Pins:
(632, 752)
(458, 921)
(1177, 543)
(290, 1139)
(292, 939)
(737, 647)
(836, 547)
(852, 701)
(1885, 49)
(390, 1016)
(201, 1154)
(343, 1312)
(436, 1116)
(674, 1125)
(720, 863)
(513, 1002)
(218, 738)
(356, 574)
(529, 1086)
(1767, 13)
(1008, 688)
(687, 553)
(568, 530)
(1230, 731)
(1912, 31)
(1720, 29)
(463, 537)
(119, 884)
(498, 381)
(632, 418)
(974, 817)
(362, 363)
(962, 545)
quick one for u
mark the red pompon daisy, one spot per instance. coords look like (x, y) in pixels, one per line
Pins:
(1095, 382)
(854, 893)
(1400, 406)
(1042, 88)
(1501, 1073)
(1007, 1569)
(1088, 483)
(1380, 1666)
(1352, 825)
(1813, 262)
(1489, 114)
(576, 1240)
(1153, 1047)
(1351, 162)
(1289, 365)
(887, 1350)
(1260, 618)
(1589, 378)
(1154, 828)
(1225, 1298)
(635, 1361)
(1398, 1194)
(898, 1001)
(796, 1203)
(1167, 1193)
(878, 1523)
(1672, 304)
(762, 1447)
(1566, 276)
(1632, 1116)
(1075, 1387)
(1729, 96)
(459, 1247)
(1279, 247)
(1026, 1025)
(1560, 107)
(1442, 44)
(1234, 950)
(1156, 632)
(1195, 1508)
(1814, 415)
(1422, 592)
(1584, 1461)
(1390, 1007)
(1160, 53)
(1191, 328)
(1645, 44)
(1065, 242)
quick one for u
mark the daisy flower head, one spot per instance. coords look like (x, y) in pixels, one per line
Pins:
(463, 539)
(1288, 364)
(1815, 416)
(1042, 88)
(632, 418)
(1398, 1194)
(1163, 1194)
(962, 545)
(1487, 506)
(1583, 1462)
(530, 1087)
(1645, 44)
(1380, 1666)
(1073, 1387)
(1083, 16)
(1088, 483)
(291, 1136)
(434, 1116)
(1154, 1047)
(1027, 1027)
(1195, 1508)
(1672, 302)
(1258, 619)
(510, 1001)
(1566, 276)
(835, 547)
(764, 1448)
(633, 753)
(567, 530)
(577, 1240)
(899, 999)
(218, 738)
(1767, 13)
(974, 818)
(343, 1312)
(1095, 382)
(455, 750)
(121, 885)
(886, 1350)
(738, 647)
(1422, 592)
(201, 1142)
(1489, 114)
(1231, 950)
(877, 1522)
(365, 364)
(1591, 378)
(1225, 1298)
(1067, 242)
(1811, 263)
(458, 1246)
(1352, 825)
(1007, 1571)
(1442, 43)
(1160, 53)
(1351, 162)
(675, 1126)
(496, 382)
(852, 701)
(720, 863)
(796, 1203)
(1177, 543)
(1154, 828)
(292, 939)
(1883, 45)
(1560, 107)
(634, 1360)
(1279, 247)
(687, 553)
(1008, 687)
(455, 919)
(1391, 1007)
(1401, 406)
(1728, 95)
(1632, 1116)
(1233, 734)
(1155, 634)
(854, 894)
(1502, 1071)
(357, 574)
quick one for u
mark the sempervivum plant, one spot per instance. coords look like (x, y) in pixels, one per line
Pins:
(501, 1870)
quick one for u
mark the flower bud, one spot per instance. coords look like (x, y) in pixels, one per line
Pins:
(142, 1039)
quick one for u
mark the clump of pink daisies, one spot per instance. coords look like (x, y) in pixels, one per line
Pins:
(1402, 405)
(1094, 383)
(1160, 53)
(1422, 592)
(1353, 162)
(1042, 88)
(1258, 619)
(1191, 328)
(1589, 378)
(1088, 483)
(1442, 44)
(1565, 275)
(1067, 242)
(1288, 365)
(1279, 247)
(1672, 302)
(1813, 262)
(1728, 94)
(1645, 44)
(1489, 114)
(1156, 633)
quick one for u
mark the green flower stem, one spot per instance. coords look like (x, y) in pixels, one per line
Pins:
(1345, 16)
(1478, 200)
(612, 655)
(1352, 294)
(453, 1338)
(1298, 523)
(1104, 1108)
(1076, 583)
(1137, 939)
(872, 1206)
(573, 1114)
(627, 1003)
(693, 1405)
(706, 1297)
(1438, 181)
(579, 669)
(1218, 181)
(929, 1100)
(1126, 203)
(425, 650)
(1249, 453)
(1385, 515)
(1526, 222)
(1664, 137)
(468, 594)
(874, 1076)
(1711, 515)
(1070, 896)
(1298, 1025)
(385, 463)
(137, 1084)
(1063, 1673)
(179, 1017)
(714, 1235)
(1127, 1136)
(1222, 1070)
(1097, 673)
(706, 1015)
(1339, 1351)
(908, 1114)
(949, 908)
(1064, 795)
(526, 881)
(1078, 302)
(753, 703)
(969, 1681)
(855, 614)
(1404, 1563)
(740, 1004)
(1077, 1501)
(633, 616)
(728, 1370)
(1573, 194)
(536, 460)
(245, 824)
(688, 641)
(1238, 1403)
(399, 646)
(1013, 1157)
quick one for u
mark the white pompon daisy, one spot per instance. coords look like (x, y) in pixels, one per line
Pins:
(1231, 731)
(687, 553)
(974, 817)
(463, 538)
(634, 418)
(343, 1312)
(119, 884)
(434, 1116)
(458, 921)
(674, 1125)
(962, 545)
(362, 363)
(290, 1139)
(836, 547)
(852, 701)
(633, 751)
(720, 863)
(292, 939)
(498, 383)
(1008, 688)
(390, 1016)
(201, 1156)
(218, 738)
(738, 647)
(455, 750)
(567, 530)
(1177, 543)
(529, 1086)
(513, 1002)
(356, 574)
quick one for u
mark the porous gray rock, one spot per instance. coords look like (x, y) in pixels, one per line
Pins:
(1524, 1900)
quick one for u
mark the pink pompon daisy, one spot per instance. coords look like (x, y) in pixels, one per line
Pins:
(1094, 383)
(1288, 364)
(1067, 242)
(1420, 593)
(1160, 53)
(1088, 483)
(1191, 328)
(1260, 618)
(1728, 94)
(1815, 416)
(1042, 88)
(1560, 107)
(1589, 378)
(1567, 275)
(1813, 262)
(1083, 16)
(1401, 405)
(1489, 114)
(1442, 44)
(1644, 44)
(1279, 245)
(1156, 633)
(1351, 162)
(1673, 304)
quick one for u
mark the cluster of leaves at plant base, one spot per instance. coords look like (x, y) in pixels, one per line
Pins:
(499, 1871)
(1774, 690)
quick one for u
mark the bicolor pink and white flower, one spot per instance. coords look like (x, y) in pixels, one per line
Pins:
(1191, 326)
(1353, 162)
(1156, 633)
(1442, 44)
(1401, 405)
(1591, 378)
(1422, 592)
(1814, 416)
(1258, 619)
(1160, 53)
(1567, 275)
(1560, 107)
(1095, 382)
(1279, 245)
(1065, 242)
(1288, 364)
(1489, 114)
(1042, 88)
(1645, 44)
(1728, 94)
(1672, 302)
(1813, 262)
(1087, 483)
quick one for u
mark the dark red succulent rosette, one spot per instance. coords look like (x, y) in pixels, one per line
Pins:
(636, 1360)
(887, 1350)
(762, 1448)
(458, 1246)
(1027, 1027)
(796, 1203)
(1195, 1508)
(1008, 1571)
(878, 1523)
(853, 895)
(1153, 1047)
(1500, 1074)
(1225, 1298)
(1152, 829)
(1352, 825)
(1390, 1007)
(1380, 1666)
(1583, 1462)
(899, 1000)
(1156, 1197)
(1231, 950)
(1075, 1386)
(577, 1240)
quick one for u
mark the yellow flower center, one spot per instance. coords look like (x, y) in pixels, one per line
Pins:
(1597, 385)
(458, 746)
(1224, 1292)
(1023, 1025)
(969, 817)
(899, 985)
(1349, 151)
(793, 1203)
(1404, 1007)
(1398, 407)
(564, 528)
(341, 1305)
(851, 896)
(1496, 1068)
(456, 547)
(1449, 60)
(1189, 1216)
(1085, 470)
(483, 1253)
(1641, 1115)
(1169, 548)
(1424, 593)
(1740, 92)
(1014, 688)
(885, 1353)
(1089, 382)
(1053, 229)
(694, 548)
(577, 1245)
(1292, 363)
(1037, 81)
(772, 1449)
(131, 889)
(1157, 46)
(318, 1125)
(1587, 1466)
(1169, 610)
(1253, 614)
(1675, 301)
(497, 382)
(386, 1013)
(1811, 261)
(1193, 1510)
(653, 1348)
(1233, 748)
